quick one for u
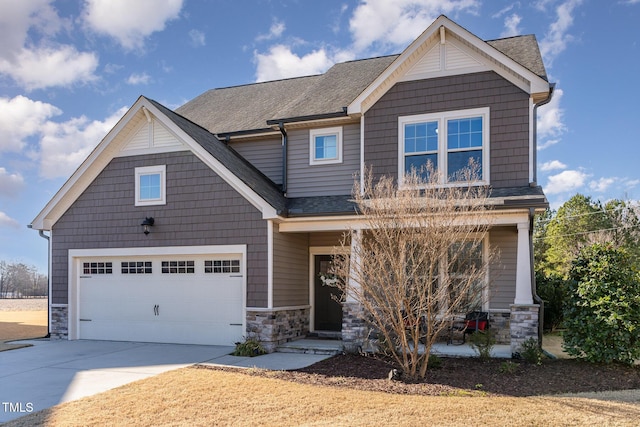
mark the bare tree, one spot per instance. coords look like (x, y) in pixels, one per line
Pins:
(420, 261)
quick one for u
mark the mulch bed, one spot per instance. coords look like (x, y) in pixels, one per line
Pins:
(466, 376)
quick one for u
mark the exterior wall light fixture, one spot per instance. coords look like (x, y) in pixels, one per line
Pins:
(147, 223)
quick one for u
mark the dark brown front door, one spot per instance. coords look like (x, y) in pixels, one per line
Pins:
(328, 312)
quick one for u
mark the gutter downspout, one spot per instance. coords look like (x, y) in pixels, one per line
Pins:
(532, 211)
(284, 156)
(48, 239)
(552, 87)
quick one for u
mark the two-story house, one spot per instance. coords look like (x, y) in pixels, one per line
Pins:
(207, 223)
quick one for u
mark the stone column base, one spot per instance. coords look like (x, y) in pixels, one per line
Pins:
(354, 327)
(275, 327)
(523, 324)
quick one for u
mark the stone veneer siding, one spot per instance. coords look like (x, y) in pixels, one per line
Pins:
(523, 324)
(354, 327)
(275, 327)
(59, 321)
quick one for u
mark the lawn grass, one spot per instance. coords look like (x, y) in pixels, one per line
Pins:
(192, 396)
(19, 325)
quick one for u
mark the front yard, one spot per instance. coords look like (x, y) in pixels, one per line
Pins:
(195, 396)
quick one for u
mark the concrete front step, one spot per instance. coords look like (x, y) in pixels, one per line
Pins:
(311, 346)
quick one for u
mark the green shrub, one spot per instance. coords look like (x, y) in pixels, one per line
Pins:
(250, 347)
(508, 367)
(482, 343)
(553, 291)
(602, 315)
(531, 352)
(434, 361)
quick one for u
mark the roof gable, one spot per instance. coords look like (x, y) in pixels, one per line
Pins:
(176, 134)
(445, 48)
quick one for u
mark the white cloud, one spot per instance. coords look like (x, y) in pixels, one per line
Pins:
(394, 24)
(46, 67)
(280, 62)
(197, 38)
(20, 118)
(548, 143)
(565, 181)
(552, 165)
(65, 145)
(550, 124)
(7, 221)
(10, 183)
(556, 39)
(30, 56)
(139, 79)
(505, 10)
(601, 185)
(130, 22)
(511, 26)
(275, 31)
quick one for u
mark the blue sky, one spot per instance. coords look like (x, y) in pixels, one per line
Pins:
(70, 69)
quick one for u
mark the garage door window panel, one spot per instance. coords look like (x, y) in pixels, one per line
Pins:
(97, 268)
(222, 266)
(136, 267)
(178, 267)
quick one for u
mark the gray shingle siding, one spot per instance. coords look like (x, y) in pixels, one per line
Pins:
(266, 155)
(322, 180)
(509, 111)
(201, 209)
(290, 269)
(503, 270)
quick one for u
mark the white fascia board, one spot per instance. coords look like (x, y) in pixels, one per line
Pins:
(159, 250)
(355, 222)
(88, 170)
(268, 211)
(109, 148)
(536, 83)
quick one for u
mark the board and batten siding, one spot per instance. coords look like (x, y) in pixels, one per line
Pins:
(201, 209)
(290, 268)
(502, 272)
(265, 155)
(304, 180)
(509, 115)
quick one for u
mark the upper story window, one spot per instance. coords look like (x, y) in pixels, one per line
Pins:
(325, 146)
(151, 185)
(448, 141)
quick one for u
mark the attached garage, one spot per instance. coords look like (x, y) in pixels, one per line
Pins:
(165, 295)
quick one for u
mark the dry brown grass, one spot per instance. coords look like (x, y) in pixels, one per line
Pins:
(190, 396)
(22, 319)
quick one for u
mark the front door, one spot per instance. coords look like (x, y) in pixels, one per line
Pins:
(328, 311)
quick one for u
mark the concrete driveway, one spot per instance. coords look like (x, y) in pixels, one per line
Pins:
(53, 372)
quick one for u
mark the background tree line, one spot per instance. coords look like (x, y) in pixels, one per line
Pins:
(587, 262)
(18, 280)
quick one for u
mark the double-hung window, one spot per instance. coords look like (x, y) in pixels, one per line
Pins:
(151, 185)
(325, 146)
(445, 142)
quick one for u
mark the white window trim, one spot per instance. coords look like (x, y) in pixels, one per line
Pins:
(442, 118)
(313, 133)
(152, 170)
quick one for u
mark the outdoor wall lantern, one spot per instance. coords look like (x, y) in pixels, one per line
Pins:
(148, 222)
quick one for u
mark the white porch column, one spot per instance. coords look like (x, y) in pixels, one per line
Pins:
(523, 267)
(354, 264)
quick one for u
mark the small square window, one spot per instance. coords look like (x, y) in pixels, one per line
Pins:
(325, 146)
(150, 185)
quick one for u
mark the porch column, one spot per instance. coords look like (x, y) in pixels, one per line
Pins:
(354, 328)
(523, 267)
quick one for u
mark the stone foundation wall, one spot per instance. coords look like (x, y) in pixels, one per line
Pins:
(60, 322)
(276, 327)
(523, 324)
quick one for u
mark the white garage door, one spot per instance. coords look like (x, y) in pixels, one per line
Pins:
(170, 299)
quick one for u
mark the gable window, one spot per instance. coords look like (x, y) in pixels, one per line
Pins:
(447, 141)
(325, 146)
(151, 185)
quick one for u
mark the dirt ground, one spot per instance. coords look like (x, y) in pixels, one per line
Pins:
(22, 319)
